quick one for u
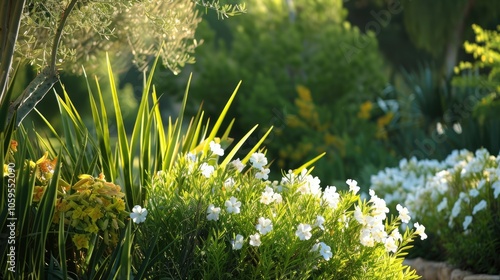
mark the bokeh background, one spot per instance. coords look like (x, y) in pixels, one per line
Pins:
(369, 82)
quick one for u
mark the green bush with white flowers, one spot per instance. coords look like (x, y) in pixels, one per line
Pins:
(214, 218)
(458, 201)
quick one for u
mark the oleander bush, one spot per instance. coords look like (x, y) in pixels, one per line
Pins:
(457, 199)
(214, 220)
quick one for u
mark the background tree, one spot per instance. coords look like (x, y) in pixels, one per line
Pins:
(283, 46)
(53, 35)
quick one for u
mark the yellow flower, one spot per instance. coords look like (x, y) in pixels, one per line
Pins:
(92, 228)
(119, 205)
(78, 213)
(13, 145)
(62, 205)
(94, 213)
(304, 93)
(111, 190)
(38, 193)
(364, 110)
(384, 120)
(81, 241)
(46, 166)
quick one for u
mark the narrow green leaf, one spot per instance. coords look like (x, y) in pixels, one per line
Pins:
(228, 130)
(307, 164)
(219, 121)
(235, 149)
(123, 145)
(61, 242)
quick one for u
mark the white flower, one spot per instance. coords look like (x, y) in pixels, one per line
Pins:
(237, 242)
(396, 235)
(331, 197)
(442, 205)
(353, 185)
(255, 240)
(263, 174)
(359, 216)
(277, 198)
(467, 221)
(213, 213)
(403, 213)
(365, 238)
(325, 251)
(480, 206)
(138, 214)
(303, 231)
(238, 164)
(233, 205)
(206, 170)
(456, 208)
(319, 222)
(496, 188)
(216, 148)
(390, 244)
(258, 160)
(371, 192)
(314, 186)
(473, 192)
(229, 183)
(420, 230)
(378, 232)
(264, 225)
(267, 196)
(379, 208)
(190, 156)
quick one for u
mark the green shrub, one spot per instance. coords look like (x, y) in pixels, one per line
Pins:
(227, 220)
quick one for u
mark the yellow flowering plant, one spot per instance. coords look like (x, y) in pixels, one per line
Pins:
(94, 208)
(318, 128)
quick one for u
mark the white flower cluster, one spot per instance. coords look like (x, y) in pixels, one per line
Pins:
(373, 226)
(457, 188)
(371, 216)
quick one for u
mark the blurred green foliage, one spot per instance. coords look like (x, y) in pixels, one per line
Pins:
(435, 117)
(278, 47)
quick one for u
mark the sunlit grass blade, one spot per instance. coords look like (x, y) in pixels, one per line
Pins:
(225, 136)
(307, 164)
(161, 145)
(219, 121)
(236, 147)
(102, 131)
(123, 145)
(122, 260)
(192, 135)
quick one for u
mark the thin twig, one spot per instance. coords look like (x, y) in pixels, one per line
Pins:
(58, 35)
